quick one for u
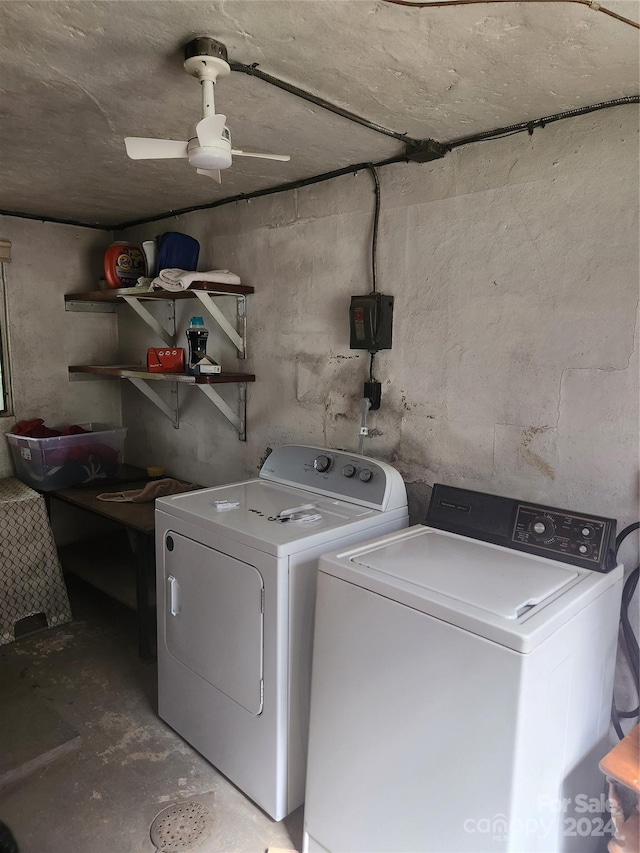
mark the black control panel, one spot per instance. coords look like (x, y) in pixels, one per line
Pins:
(583, 540)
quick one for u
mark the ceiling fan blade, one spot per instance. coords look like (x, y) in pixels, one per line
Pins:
(211, 173)
(209, 130)
(283, 157)
(139, 148)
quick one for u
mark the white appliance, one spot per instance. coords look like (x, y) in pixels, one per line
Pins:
(461, 696)
(236, 577)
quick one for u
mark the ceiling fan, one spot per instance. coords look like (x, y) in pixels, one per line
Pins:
(209, 148)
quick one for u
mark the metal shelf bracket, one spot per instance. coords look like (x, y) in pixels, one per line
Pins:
(239, 421)
(168, 409)
(166, 332)
(241, 314)
(237, 338)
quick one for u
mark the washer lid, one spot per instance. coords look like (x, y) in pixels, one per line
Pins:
(515, 599)
(501, 582)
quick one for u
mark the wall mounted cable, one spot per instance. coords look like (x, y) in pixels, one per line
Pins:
(374, 249)
(591, 4)
(530, 126)
(630, 643)
(376, 219)
(254, 71)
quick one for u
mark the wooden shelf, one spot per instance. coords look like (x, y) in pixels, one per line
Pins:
(138, 377)
(135, 371)
(206, 292)
(115, 296)
(107, 302)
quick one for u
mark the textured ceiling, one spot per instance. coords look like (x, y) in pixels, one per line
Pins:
(75, 78)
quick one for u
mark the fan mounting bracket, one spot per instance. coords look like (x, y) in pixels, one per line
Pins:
(206, 58)
(206, 67)
(205, 46)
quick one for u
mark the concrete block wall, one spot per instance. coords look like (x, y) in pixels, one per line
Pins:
(515, 269)
(49, 260)
(514, 266)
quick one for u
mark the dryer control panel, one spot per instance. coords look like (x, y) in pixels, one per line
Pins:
(583, 540)
(338, 474)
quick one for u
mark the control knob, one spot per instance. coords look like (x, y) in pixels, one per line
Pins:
(366, 475)
(587, 532)
(322, 464)
(349, 470)
(585, 550)
(543, 528)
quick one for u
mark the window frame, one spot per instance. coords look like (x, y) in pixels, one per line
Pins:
(6, 397)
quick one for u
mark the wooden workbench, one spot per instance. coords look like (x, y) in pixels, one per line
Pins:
(125, 570)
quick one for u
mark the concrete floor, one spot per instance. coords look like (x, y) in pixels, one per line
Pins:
(104, 794)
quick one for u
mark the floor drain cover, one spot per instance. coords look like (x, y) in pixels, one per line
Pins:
(181, 827)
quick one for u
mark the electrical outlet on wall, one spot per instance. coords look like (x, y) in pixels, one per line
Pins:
(373, 391)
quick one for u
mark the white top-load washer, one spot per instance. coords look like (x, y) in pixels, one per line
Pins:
(461, 693)
(236, 576)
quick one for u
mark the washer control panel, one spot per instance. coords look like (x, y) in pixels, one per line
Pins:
(583, 540)
(561, 533)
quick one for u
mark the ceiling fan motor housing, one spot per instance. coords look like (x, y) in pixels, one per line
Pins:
(209, 157)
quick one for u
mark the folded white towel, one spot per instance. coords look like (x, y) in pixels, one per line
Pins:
(175, 279)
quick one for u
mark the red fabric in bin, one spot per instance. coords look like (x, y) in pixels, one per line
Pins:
(36, 428)
(61, 464)
(74, 430)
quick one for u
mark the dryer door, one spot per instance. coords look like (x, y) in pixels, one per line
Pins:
(214, 618)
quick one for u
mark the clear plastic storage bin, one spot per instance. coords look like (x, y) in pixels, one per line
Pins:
(68, 460)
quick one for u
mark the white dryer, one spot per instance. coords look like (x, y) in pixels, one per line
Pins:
(462, 690)
(236, 579)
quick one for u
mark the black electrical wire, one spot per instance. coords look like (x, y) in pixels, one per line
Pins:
(374, 249)
(254, 71)
(530, 126)
(627, 629)
(592, 5)
(627, 596)
(56, 220)
(624, 533)
(280, 188)
(616, 722)
(376, 221)
(630, 640)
